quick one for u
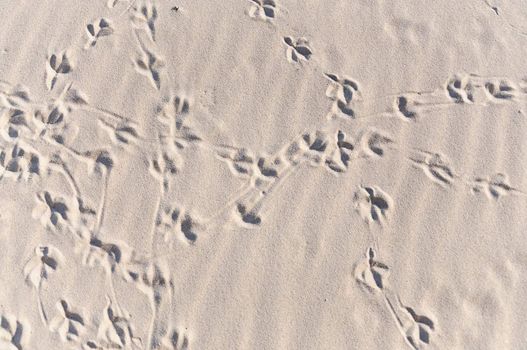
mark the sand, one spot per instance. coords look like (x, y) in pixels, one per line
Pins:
(263, 174)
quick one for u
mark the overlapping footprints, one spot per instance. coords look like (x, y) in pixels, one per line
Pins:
(246, 164)
(175, 222)
(111, 256)
(262, 173)
(165, 166)
(173, 115)
(315, 146)
(15, 110)
(337, 152)
(334, 150)
(373, 274)
(116, 258)
(266, 172)
(17, 163)
(319, 148)
(53, 114)
(119, 260)
(44, 124)
(331, 150)
(174, 136)
(29, 118)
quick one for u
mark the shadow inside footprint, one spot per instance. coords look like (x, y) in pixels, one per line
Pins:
(186, 228)
(402, 105)
(248, 217)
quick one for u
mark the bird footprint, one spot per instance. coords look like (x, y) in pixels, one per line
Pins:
(57, 64)
(297, 50)
(96, 30)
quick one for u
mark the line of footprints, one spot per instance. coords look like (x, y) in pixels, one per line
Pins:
(372, 275)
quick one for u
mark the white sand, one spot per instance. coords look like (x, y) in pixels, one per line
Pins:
(264, 174)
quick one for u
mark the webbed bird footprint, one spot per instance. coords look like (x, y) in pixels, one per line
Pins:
(297, 50)
(96, 30)
(344, 91)
(374, 143)
(500, 90)
(67, 323)
(466, 88)
(372, 273)
(243, 163)
(415, 328)
(50, 209)
(419, 333)
(372, 204)
(144, 17)
(247, 217)
(56, 64)
(262, 9)
(460, 88)
(52, 114)
(121, 134)
(494, 186)
(45, 260)
(315, 147)
(110, 256)
(340, 160)
(115, 331)
(165, 166)
(175, 339)
(176, 222)
(17, 163)
(149, 64)
(435, 166)
(13, 333)
(174, 114)
(404, 108)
